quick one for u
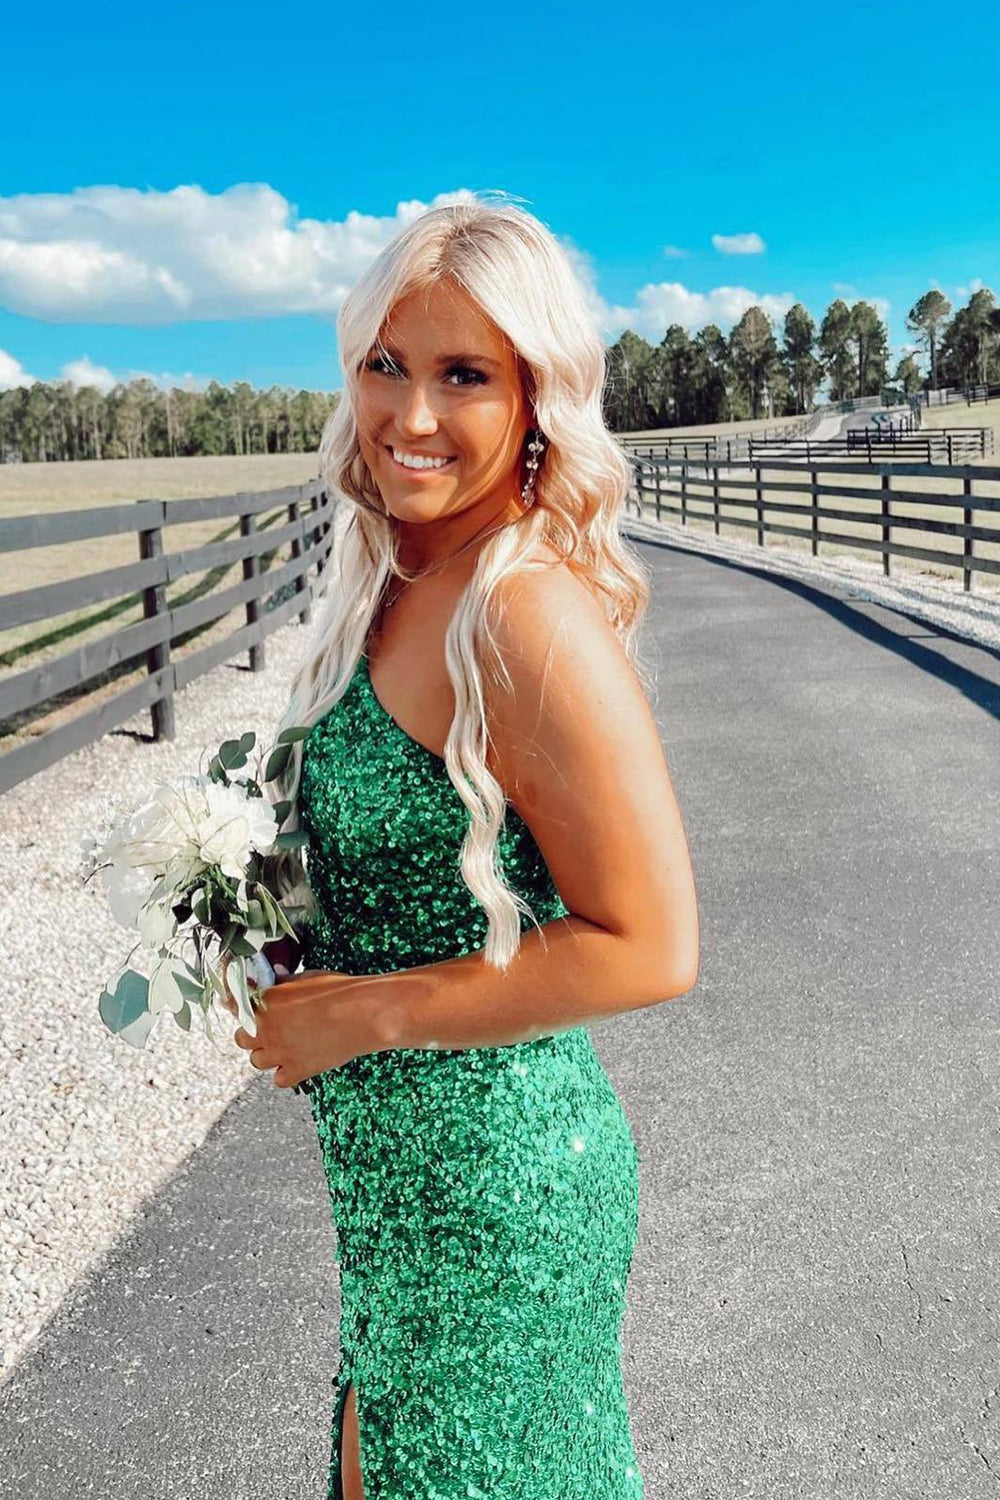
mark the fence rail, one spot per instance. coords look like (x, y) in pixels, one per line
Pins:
(305, 513)
(727, 449)
(695, 492)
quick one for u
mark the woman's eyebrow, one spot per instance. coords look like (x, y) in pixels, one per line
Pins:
(445, 359)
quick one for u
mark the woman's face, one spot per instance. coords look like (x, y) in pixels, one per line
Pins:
(442, 383)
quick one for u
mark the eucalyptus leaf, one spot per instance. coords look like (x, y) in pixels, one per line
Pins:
(189, 987)
(183, 1016)
(277, 761)
(231, 755)
(125, 1011)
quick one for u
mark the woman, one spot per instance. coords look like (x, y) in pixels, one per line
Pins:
(481, 759)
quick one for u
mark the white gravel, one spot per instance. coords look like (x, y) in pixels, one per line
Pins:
(89, 1128)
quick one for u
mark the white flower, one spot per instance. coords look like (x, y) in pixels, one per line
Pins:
(128, 890)
(235, 826)
(157, 924)
(187, 825)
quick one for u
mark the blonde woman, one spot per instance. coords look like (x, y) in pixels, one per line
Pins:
(495, 860)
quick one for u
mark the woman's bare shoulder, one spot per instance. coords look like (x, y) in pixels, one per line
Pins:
(537, 605)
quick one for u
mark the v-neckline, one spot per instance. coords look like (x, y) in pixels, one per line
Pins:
(380, 706)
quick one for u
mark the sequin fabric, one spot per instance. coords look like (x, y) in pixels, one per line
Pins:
(485, 1200)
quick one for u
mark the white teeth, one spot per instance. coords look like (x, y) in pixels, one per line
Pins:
(418, 461)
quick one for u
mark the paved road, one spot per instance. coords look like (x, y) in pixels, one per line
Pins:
(814, 1303)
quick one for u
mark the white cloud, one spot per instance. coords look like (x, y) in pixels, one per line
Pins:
(658, 304)
(110, 254)
(84, 372)
(975, 285)
(13, 373)
(673, 252)
(738, 244)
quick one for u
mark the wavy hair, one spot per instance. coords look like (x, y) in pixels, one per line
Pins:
(521, 277)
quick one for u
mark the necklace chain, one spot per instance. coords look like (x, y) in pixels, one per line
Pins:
(427, 573)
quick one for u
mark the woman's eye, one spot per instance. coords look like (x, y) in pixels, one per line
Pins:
(378, 363)
(477, 377)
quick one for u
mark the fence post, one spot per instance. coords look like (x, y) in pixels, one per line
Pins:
(684, 498)
(760, 510)
(968, 543)
(251, 569)
(715, 496)
(656, 497)
(886, 521)
(297, 550)
(154, 602)
(814, 519)
(950, 459)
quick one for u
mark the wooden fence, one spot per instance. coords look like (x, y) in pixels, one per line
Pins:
(671, 487)
(303, 524)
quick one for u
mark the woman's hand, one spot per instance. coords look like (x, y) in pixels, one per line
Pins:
(312, 1021)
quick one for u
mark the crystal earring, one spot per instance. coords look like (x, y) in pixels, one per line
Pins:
(535, 448)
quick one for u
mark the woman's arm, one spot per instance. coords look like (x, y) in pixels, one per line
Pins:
(577, 749)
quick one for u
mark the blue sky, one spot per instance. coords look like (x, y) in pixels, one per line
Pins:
(193, 187)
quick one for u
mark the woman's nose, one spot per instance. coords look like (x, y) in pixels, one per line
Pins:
(417, 415)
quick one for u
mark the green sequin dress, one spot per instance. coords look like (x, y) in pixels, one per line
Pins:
(485, 1200)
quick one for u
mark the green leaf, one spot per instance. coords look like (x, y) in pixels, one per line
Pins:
(277, 761)
(183, 1016)
(270, 908)
(239, 946)
(125, 1011)
(187, 986)
(292, 733)
(231, 755)
(281, 811)
(292, 840)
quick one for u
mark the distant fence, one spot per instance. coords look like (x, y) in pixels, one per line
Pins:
(727, 448)
(950, 394)
(695, 492)
(944, 445)
(304, 525)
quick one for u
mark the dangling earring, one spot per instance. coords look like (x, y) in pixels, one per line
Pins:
(535, 448)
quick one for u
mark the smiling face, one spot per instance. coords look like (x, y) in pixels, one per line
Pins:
(441, 411)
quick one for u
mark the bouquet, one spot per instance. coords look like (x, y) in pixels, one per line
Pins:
(184, 871)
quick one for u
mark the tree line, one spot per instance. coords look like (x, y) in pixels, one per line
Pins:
(686, 381)
(682, 381)
(138, 419)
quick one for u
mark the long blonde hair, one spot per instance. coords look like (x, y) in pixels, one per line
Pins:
(516, 270)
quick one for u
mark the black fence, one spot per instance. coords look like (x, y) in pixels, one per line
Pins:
(674, 488)
(273, 590)
(711, 448)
